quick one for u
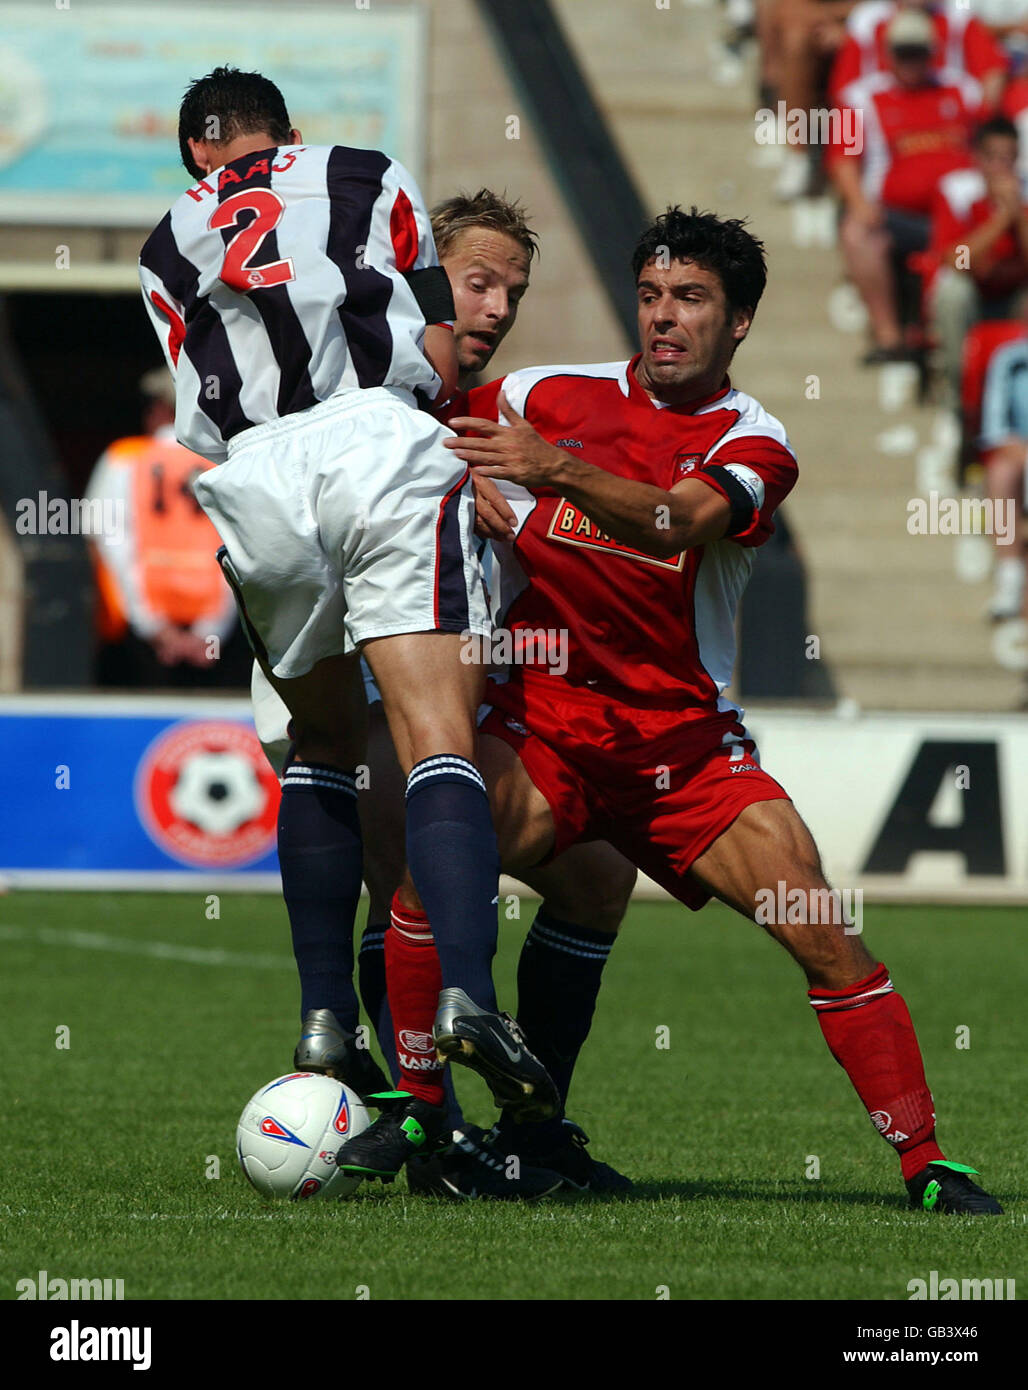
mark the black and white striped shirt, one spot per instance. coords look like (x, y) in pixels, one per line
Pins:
(277, 281)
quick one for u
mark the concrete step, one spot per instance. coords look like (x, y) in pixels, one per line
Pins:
(892, 685)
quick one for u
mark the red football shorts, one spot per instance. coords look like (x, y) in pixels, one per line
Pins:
(658, 788)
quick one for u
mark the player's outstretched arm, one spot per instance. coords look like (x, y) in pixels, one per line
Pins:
(658, 522)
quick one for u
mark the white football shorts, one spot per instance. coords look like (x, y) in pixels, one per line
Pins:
(270, 715)
(343, 523)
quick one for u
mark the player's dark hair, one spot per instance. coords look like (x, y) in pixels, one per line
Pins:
(485, 208)
(995, 125)
(719, 244)
(240, 103)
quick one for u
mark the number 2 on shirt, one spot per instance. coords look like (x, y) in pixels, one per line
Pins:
(236, 271)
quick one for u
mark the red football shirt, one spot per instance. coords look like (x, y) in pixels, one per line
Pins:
(649, 631)
(911, 138)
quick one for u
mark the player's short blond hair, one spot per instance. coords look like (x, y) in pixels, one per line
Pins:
(482, 209)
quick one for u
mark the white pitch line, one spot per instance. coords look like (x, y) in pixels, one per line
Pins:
(154, 950)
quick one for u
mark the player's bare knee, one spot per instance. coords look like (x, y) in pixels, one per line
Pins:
(613, 892)
(598, 898)
(325, 747)
(427, 735)
(802, 859)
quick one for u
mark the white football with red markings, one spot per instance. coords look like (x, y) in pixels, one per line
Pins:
(290, 1131)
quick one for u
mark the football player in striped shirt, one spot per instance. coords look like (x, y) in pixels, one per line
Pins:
(636, 494)
(486, 248)
(297, 294)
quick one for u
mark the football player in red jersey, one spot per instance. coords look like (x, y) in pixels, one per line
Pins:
(634, 536)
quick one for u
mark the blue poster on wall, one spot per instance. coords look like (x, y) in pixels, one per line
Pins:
(144, 791)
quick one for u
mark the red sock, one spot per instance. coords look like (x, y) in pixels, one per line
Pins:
(868, 1029)
(413, 982)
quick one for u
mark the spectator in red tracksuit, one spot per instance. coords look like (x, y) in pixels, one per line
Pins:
(915, 122)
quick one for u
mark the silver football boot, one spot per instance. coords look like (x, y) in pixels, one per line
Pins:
(326, 1047)
(494, 1046)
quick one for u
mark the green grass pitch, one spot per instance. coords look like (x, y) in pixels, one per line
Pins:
(173, 1020)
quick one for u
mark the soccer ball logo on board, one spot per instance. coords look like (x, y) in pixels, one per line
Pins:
(207, 796)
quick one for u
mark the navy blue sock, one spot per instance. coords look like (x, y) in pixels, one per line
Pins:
(371, 978)
(320, 856)
(559, 975)
(455, 865)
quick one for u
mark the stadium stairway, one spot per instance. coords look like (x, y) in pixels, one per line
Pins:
(899, 616)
